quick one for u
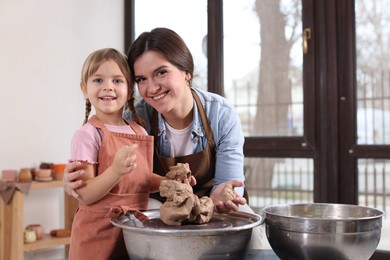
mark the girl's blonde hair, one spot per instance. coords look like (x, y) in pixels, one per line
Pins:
(92, 64)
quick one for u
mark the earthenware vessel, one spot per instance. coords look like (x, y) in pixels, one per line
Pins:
(30, 236)
(25, 175)
(38, 229)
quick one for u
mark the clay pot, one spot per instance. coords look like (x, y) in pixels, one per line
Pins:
(58, 171)
(58, 176)
(38, 229)
(43, 173)
(9, 175)
(25, 175)
(30, 236)
(59, 168)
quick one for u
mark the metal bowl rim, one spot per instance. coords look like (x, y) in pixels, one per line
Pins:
(256, 218)
(378, 213)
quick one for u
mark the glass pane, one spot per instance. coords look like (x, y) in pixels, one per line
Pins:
(374, 183)
(263, 65)
(178, 15)
(271, 181)
(373, 71)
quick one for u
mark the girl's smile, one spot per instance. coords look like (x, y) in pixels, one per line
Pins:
(107, 90)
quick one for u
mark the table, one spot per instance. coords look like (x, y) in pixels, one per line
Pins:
(263, 254)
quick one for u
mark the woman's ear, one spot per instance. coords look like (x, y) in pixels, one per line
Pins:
(188, 76)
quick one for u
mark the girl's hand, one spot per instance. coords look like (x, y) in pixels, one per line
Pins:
(124, 160)
(231, 205)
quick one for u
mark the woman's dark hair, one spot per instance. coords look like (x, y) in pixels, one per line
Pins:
(166, 42)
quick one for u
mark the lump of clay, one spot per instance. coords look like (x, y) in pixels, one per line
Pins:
(179, 172)
(182, 206)
(228, 193)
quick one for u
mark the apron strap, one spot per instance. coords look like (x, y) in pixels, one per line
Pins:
(95, 121)
(205, 122)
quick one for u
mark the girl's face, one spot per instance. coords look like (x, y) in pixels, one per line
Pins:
(162, 85)
(107, 90)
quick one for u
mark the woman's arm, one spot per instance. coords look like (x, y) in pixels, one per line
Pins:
(229, 164)
(72, 179)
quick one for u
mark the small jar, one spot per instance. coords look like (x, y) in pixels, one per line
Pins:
(38, 229)
(25, 175)
(29, 236)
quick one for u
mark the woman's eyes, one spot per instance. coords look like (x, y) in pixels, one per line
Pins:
(139, 80)
(161, 73)
(158, 75)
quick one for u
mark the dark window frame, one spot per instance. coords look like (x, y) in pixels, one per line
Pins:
(329, 98)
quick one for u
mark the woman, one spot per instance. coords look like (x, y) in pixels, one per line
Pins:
(189, 125)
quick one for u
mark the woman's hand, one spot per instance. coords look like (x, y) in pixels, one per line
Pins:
(231, 205)
(71, 180)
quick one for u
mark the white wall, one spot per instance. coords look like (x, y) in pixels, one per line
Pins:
(43, 44)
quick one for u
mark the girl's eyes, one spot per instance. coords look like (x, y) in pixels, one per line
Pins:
(115, 81)
(97, 80)
(118, 81)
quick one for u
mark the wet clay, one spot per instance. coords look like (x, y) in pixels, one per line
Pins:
(182, 205)
(179, 172)
(228, 193)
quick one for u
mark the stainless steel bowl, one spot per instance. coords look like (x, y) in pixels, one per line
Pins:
(224, 237)
(323, 231)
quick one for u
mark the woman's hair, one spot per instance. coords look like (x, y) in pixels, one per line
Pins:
(166, 42)
(92, 64)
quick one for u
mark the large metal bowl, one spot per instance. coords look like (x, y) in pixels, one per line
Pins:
(323, 231)
(224, 237)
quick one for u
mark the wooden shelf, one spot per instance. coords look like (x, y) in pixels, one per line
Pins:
(45, 242)
(37, 185)
(12, 224)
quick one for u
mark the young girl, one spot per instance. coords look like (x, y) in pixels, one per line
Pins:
(116, 156)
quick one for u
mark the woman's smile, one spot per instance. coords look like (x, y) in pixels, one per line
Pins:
(160, 96)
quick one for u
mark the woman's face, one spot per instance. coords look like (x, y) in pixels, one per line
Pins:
(161, 84)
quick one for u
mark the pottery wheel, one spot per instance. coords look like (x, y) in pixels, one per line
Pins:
(156, 223)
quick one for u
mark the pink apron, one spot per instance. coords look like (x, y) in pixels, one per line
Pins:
(93, 235)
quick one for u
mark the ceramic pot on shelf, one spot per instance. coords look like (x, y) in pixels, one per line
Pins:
(25, 175)
(29, 236)
(38, 229)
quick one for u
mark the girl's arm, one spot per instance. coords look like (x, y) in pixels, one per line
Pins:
(97, 186)
(155, 182)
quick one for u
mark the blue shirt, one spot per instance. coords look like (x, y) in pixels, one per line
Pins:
(225, 125)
